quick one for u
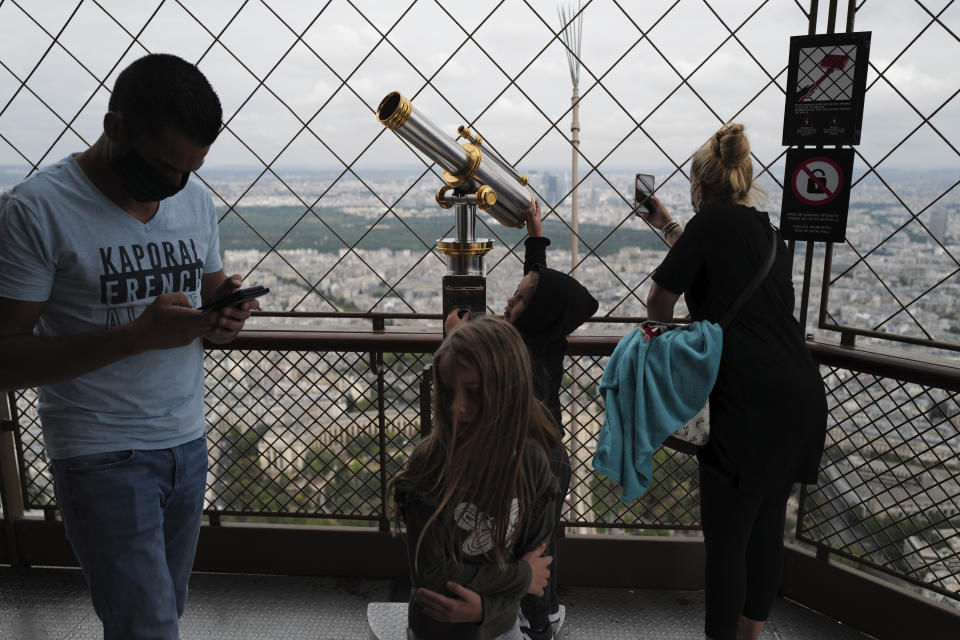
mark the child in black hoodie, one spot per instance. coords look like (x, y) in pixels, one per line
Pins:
(547, 307)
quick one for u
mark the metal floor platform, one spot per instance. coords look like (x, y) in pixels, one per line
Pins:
(53, 604)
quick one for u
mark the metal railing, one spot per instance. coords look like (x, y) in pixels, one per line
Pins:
(889, 491)
(310, 427)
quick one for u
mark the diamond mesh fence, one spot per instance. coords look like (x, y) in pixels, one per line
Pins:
(35, 478)
(672, 501)
(302, 85)
(889, 492)
(297, 435)
(348, 236)
(285, 430)
(290, 433)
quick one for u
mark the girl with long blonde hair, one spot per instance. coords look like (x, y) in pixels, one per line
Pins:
(477, 495)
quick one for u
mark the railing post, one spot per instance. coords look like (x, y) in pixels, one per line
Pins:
(11, 490)
(851, 14)
(812, 17)
(376, 361)
(805, 292)
(825, 285)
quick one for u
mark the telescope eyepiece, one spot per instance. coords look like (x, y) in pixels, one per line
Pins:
(394, 110)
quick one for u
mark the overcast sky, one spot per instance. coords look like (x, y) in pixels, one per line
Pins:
(632, 69)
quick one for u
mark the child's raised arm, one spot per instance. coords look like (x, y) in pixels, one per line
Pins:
(535, 245)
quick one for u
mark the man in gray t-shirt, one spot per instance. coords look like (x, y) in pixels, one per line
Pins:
(105, 257)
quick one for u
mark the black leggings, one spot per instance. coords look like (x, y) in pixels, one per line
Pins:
(743, 531)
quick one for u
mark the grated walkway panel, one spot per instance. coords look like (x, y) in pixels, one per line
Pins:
(53, 604)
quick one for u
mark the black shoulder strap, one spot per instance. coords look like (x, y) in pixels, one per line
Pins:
(757, 279)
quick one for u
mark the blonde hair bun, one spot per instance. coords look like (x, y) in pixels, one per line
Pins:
(724, 167)
(731, 145)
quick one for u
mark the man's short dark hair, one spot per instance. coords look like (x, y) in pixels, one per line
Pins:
(161, 89)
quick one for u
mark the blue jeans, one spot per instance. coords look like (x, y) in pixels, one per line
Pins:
(133, 518)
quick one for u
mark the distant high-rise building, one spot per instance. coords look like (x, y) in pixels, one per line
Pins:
(938, 224)
(551, 188)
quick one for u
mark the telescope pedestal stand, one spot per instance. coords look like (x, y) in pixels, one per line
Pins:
(465, 291)
(465, 283)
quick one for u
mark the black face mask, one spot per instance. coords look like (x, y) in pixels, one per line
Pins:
(141, 180)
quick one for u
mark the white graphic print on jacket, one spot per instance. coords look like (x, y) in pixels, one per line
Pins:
(480, 539)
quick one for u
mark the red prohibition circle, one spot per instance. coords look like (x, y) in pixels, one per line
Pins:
(803, 164)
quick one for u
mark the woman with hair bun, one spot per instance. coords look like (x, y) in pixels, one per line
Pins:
(768, 407)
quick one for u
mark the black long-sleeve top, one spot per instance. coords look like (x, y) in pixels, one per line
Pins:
(767, 409)
(557, 307)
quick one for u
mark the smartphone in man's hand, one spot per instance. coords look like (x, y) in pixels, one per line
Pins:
(234, 299)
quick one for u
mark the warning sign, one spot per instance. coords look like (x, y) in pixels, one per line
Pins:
(826, 82)
(817, 180)
(816, 194)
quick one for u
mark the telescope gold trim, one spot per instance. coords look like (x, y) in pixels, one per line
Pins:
(486, 197)
(440, 197)
(474, 155)
(466, 249)
(465, 133)
(399, 115)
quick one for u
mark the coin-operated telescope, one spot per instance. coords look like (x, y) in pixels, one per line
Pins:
(475, 177)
